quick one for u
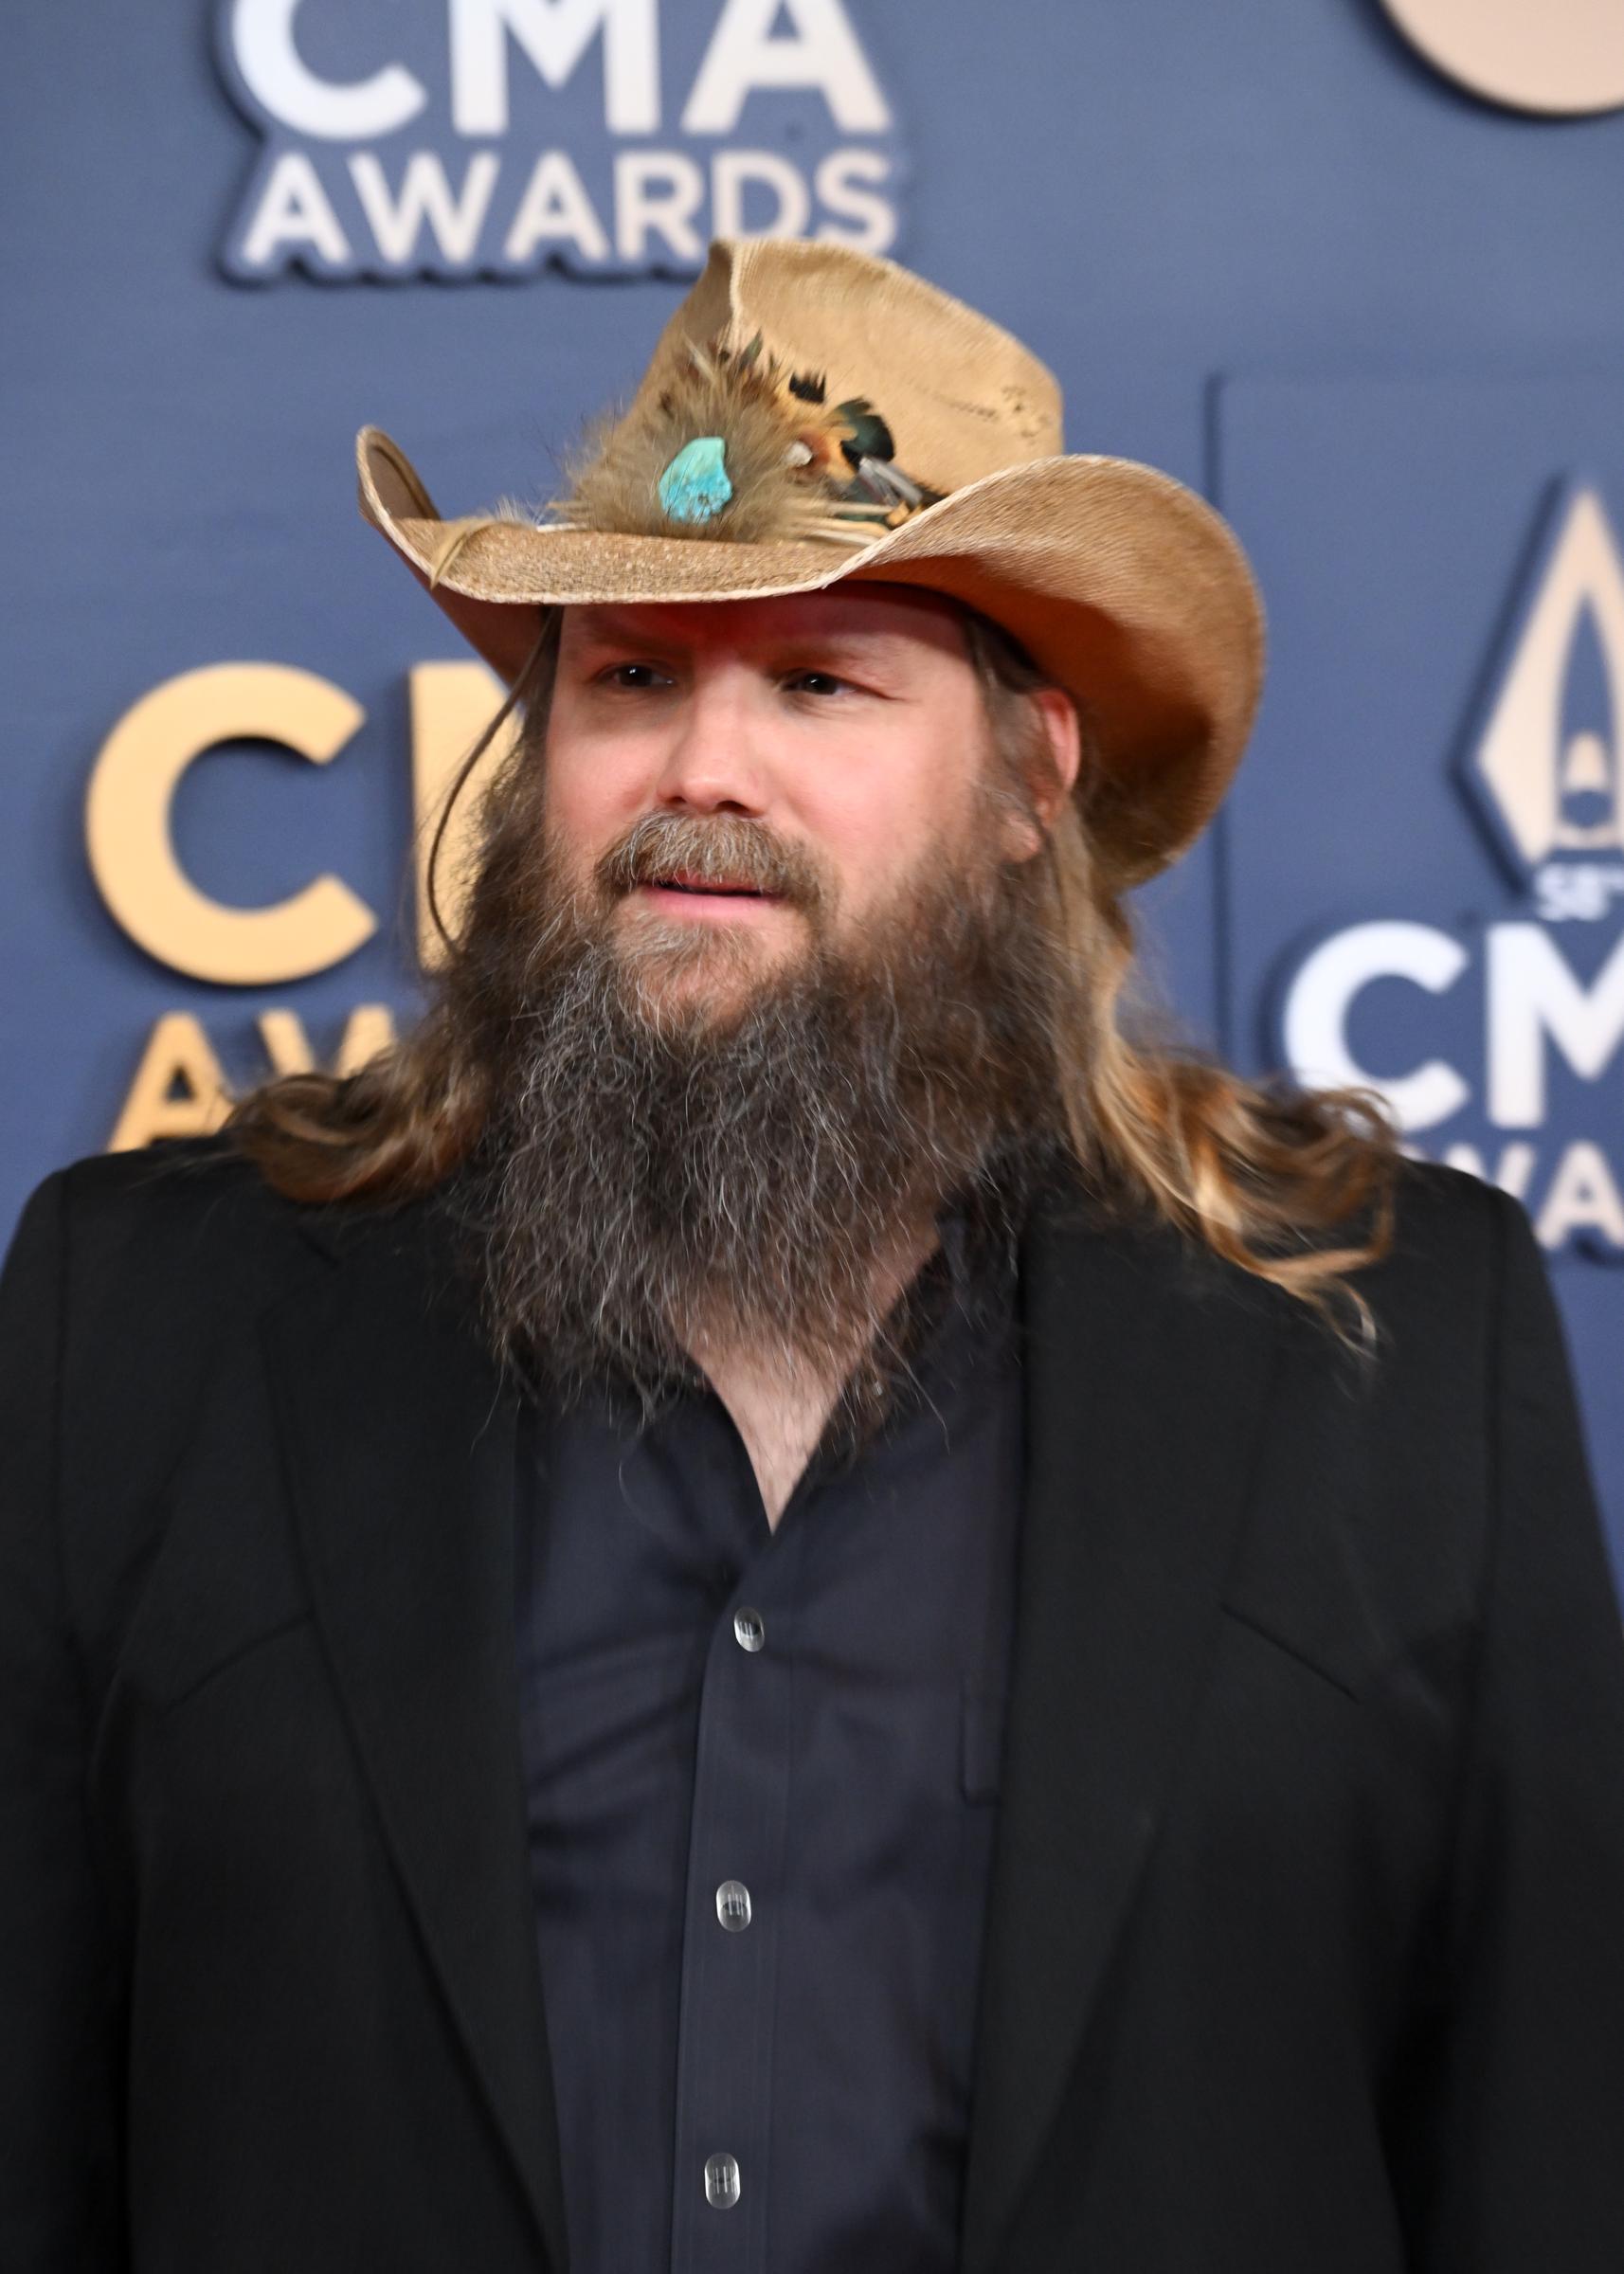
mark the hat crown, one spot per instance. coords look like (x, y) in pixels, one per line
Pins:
(962, 397)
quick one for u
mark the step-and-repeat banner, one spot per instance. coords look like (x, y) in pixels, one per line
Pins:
(1348, 266)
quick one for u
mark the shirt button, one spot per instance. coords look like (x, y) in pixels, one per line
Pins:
(734, 1905)
(722, 2181)
(748, 1629)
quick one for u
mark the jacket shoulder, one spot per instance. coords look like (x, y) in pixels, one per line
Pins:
(1450, 1235)
(173, 1220)
(1456, 1241)
(202, 1186)
(131, 1319)
(151, 1265)
(1439, 1208)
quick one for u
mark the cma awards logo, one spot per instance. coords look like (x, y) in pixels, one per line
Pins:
(1512, 1031)
(458, 138)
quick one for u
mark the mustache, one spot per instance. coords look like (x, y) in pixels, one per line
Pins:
(729, 848)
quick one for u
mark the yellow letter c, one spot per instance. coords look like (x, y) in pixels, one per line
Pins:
(130, 844)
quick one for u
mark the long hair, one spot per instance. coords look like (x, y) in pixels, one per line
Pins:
(1294, 1185)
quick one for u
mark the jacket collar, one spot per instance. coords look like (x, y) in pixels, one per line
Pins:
(1147, 1378)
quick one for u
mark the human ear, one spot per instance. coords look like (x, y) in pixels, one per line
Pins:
(1049, 784)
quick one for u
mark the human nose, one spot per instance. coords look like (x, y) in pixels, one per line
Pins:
(712, 762)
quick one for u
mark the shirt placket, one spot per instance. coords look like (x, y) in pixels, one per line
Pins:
(730, 1929)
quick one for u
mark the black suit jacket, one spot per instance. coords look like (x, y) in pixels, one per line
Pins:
(1305, 1951)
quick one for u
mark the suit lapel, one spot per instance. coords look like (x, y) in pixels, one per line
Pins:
(1148, 1373)
(400, 1447)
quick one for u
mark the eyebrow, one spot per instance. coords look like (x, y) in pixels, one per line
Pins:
(613, 625)
(599, 621)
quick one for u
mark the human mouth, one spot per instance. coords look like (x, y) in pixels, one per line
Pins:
(704, 895)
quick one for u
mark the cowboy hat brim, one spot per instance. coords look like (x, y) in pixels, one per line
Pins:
(1124, 587)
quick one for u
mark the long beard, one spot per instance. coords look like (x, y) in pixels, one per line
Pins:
(659, 1161)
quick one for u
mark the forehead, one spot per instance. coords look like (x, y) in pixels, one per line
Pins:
(898, 617)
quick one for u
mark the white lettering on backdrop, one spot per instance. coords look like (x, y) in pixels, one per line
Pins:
(368, 168)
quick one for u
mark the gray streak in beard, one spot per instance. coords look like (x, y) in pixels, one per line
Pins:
(656, 1159)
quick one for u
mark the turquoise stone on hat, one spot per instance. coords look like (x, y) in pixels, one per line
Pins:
(694, 486)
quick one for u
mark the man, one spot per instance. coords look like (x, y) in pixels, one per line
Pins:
(777, 1600)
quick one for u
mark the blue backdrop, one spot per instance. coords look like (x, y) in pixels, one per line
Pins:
(1265, 246)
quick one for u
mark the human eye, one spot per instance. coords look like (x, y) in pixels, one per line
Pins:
(820, 683)
(632, 678)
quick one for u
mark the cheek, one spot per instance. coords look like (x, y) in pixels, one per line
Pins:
(574, 835)
(880, 816)
(590, 790)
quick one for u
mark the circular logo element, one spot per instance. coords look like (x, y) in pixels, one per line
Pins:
(1558, 57)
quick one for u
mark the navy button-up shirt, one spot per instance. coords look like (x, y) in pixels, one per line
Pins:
(762, 1771)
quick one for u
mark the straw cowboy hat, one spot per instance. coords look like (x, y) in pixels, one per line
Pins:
(812, 416)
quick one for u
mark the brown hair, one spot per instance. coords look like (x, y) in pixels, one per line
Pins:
(1293, 1185)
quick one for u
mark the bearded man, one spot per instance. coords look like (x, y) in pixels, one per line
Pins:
(783, 1598)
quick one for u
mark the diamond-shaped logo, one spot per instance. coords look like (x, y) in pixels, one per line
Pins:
(1545, 766)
